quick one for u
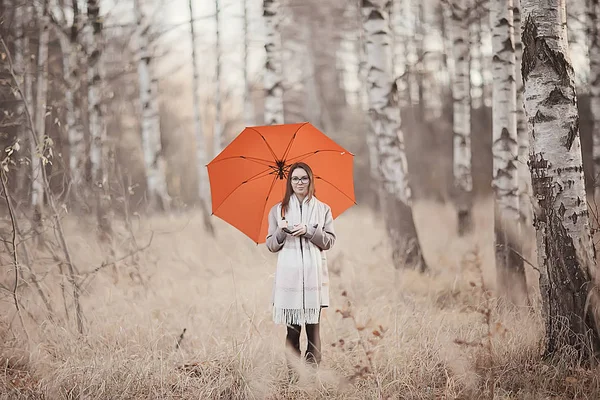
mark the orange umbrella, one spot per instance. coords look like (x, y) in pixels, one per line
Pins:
(248, 177)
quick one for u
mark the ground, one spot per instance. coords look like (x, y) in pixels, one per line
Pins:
(405, 335)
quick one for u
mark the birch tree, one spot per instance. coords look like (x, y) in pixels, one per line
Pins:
(522, 135)
(386, 124)
(71, 52)
(273, 64)
(38, 160)
(248, 106)
(22, 58)
(565, 252)
(97, 123)
(463, 180)
(594, 54)
(218, 126)
(154, 160)
(510, 269)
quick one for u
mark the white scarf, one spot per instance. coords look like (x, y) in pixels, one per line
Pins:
(298, 291)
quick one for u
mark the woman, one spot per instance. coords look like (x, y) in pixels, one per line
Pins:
(300, 230)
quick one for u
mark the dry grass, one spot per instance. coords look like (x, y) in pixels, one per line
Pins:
(219, 291)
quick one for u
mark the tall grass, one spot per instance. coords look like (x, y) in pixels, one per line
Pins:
(403, 339)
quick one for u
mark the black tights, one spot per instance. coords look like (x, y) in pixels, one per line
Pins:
(313, 351)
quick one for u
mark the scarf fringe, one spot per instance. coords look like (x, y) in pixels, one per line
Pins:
(296, 316)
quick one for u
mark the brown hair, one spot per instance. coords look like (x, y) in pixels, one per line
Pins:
(288, 186)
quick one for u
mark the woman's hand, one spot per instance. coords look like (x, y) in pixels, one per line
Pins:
(282, 223)
(299, 230)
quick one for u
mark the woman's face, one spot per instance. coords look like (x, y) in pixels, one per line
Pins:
(300, 182)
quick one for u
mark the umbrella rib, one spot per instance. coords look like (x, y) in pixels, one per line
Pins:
(266, 201)
(312, 153)
(335, 187)
(260, 161)
(267, 143)
(289, 146)
(252, 178)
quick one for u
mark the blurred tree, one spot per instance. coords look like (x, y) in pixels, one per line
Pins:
(386, 123)
(509, 266)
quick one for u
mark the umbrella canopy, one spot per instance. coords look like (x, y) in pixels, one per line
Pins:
(248, 177)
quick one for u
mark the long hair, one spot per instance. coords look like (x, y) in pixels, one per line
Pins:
(288, 186)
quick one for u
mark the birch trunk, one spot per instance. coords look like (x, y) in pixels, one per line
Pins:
(155, 164)
(202, 176)
(97, 123)
(522, 139)
(74, 125)
(22, 62)
(248, 105)
(565, 252)
(510, 269)
(386, 124)
(218, 126)
(273, 64)
(594, 53)
(38, 153)
(463, 181)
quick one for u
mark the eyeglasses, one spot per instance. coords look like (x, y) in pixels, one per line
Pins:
(304, 179)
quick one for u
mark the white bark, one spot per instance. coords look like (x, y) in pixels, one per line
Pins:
(594, 53)
(21, 62)
(38, 154)
(561, 220)
(74, 127)
(385, 115)
(385, 119)
(510, 269)
(522, 135)
(504, 121)
(96, 115)
(96, 109)
(218, 126)
(248, 105)
(273, 64)
(155, 165)
(463, 181)
(199, 134)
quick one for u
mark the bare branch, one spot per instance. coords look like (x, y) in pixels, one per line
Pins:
(15, 255)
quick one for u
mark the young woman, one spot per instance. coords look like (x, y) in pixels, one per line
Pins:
(300, 230)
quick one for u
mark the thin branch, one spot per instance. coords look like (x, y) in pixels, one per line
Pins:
(115, 261)
(15, 255)
(58, 225)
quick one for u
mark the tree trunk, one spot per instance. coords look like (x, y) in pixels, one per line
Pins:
(201, 158)
(594, 52)
(510, 269)
(69, 44)
(463, 180)
(273, 64)
(218, 126)
(23, 17)
(155, 164)
(525, 210)
(39, 153)
(96, 110)
(386, 123)
(248, 106)
(565, 252)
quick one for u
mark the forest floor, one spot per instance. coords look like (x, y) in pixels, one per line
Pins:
(406, 335)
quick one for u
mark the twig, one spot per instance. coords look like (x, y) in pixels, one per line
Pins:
(50, 197)
(520, 256)
(14, 250)
(108, 264)
(180, 339)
